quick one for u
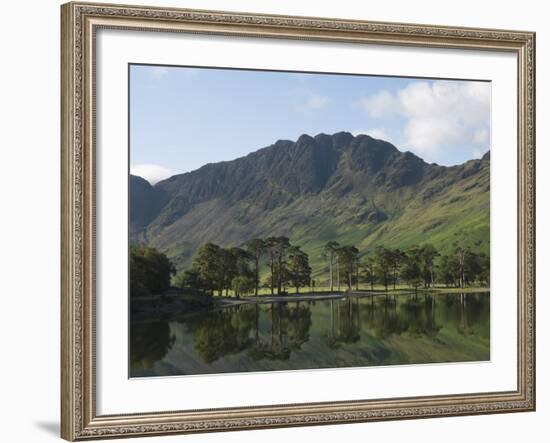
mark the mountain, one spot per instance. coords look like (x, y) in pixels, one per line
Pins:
(355, 190)
(145, 203)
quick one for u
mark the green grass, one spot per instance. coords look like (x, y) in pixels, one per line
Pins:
(399, 289)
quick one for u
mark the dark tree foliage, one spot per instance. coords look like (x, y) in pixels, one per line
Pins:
(209, 264)
(395, 258)
(463, 268)
(271, 248)
(383, 260)
(448, 270)
(428, 254)
(368, 271)
(424, 266)
(149, 342)
(412, 270)
(242, 285)
(256, 248)
(282, 244)
(299, 271)
(234, 263)
(330, 253)
(150, 271)
(348, 258)
(190, 278)
(216, 269)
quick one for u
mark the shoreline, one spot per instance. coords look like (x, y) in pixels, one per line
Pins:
(187, 303)
(267, 299)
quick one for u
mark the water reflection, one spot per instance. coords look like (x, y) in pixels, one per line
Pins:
(288, 330)
(222, 332)
(149, 343)
(345, 323)
(352, 331)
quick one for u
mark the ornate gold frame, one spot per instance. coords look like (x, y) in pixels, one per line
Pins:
(79, 22)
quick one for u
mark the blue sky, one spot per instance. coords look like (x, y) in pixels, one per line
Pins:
(182, 118)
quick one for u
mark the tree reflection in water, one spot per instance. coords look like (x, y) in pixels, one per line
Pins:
(149, 343)
(223, 332)
(347, 331)
(289, 329)
(345, 325)
(235, 329)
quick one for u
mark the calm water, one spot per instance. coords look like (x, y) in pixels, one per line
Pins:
(353, 331)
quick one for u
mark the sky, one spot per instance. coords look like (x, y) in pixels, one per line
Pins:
(182, 118)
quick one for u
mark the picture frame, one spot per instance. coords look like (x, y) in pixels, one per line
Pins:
(80, 23)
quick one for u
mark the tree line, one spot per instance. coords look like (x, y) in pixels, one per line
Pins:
(150, 271)
(216, 269)
(417, 266)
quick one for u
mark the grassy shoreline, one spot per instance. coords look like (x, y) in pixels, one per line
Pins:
(400, 289)
(328, 295)
(159, 304)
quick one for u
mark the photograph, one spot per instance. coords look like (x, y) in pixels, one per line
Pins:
(289, 217)
(283, 220)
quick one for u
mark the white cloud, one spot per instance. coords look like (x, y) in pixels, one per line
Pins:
(440, 115)
(481, 136)
(152, 173)
(380, 104)
(313, 102)
(428, 135)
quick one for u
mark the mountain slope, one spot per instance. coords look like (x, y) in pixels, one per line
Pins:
(355, 190)
(145, 203)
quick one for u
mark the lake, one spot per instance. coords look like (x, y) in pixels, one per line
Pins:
(350, 331)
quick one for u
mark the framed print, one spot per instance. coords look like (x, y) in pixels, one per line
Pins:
(281, 221)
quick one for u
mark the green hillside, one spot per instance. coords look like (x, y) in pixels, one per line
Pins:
(355, 190)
